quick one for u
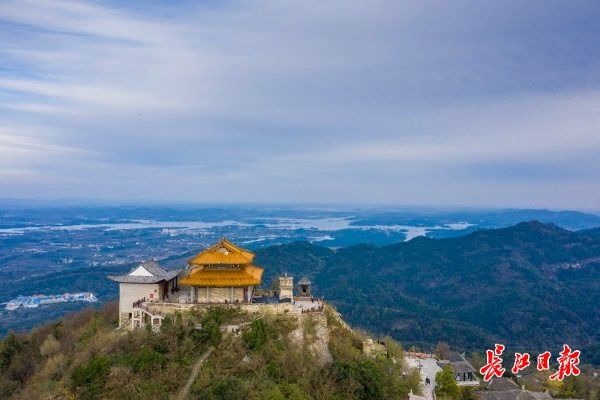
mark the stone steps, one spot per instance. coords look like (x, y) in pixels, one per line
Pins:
(185, 390)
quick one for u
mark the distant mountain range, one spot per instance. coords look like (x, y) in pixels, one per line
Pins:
(495, 218)
(532, 286)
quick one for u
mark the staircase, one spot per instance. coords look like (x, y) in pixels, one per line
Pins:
(185, 390)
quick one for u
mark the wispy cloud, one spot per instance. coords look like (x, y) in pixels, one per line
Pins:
(302, 101)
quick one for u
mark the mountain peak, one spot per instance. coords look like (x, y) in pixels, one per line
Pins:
(537, 226)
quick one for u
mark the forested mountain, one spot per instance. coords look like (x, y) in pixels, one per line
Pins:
(532, 286)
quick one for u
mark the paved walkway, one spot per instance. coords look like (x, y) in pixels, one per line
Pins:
(308, 305)
(428, 368)
(185, 390)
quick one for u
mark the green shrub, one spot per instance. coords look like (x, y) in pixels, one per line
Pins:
(275, 394)
(273, 369)
(54, 366)
(146, 360)
(366, 374)
(7, 387)
(89, 378)
(573, 387)
(17, 363)
(50, 346)
(92, 327)
(229, 388)
(293, 391)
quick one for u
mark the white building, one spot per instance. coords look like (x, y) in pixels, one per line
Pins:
(148, 282)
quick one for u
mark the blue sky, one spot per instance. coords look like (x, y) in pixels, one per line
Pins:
(407, 103)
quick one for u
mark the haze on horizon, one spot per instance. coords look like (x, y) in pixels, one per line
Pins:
(437, 103)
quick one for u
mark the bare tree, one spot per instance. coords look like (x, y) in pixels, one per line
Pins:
(442, 350)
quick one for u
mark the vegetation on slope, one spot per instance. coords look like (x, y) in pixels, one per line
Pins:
(269, 364)
(84, 357)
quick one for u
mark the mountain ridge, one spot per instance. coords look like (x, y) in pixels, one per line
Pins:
(493, 284)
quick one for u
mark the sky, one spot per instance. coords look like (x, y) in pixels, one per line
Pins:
(475, 104)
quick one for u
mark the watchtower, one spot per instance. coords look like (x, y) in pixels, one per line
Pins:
(286, 288)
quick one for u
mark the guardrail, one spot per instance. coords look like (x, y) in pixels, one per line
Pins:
(138, 303)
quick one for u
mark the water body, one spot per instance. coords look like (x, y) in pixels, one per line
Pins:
(320, 224)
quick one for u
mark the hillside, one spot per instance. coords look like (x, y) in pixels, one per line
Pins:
(299, 357)
(532, 286)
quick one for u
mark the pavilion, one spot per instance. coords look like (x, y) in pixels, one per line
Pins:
(222, 273)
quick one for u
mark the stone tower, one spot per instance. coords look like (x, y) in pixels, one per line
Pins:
(286, 286)
(304, 288)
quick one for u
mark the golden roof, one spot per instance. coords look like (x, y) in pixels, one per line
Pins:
(247, 275)
(223, 252)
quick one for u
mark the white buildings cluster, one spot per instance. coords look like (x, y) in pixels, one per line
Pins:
(41, 299)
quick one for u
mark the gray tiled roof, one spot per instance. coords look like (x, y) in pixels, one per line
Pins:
(542, 395)
(502, 384)
(459, 364)
(462, 367)
(514, 394)
(507, 389)
(304, 281)
(158, 274)
(455, 357)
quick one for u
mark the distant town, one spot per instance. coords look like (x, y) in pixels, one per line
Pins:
(41, 299)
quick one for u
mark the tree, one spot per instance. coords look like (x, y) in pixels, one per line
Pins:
(256, 337)
(211, 332)
(442, 350)
(394, 349)
(8, 349)
(446, 387)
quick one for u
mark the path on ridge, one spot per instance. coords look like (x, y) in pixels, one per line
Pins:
(428, 368)
(185, 390)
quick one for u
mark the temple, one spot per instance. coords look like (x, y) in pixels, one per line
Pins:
(223, 273)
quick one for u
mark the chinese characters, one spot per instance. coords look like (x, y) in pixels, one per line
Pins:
(567, 363)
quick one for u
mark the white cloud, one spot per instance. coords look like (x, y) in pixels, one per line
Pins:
(267, 100)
